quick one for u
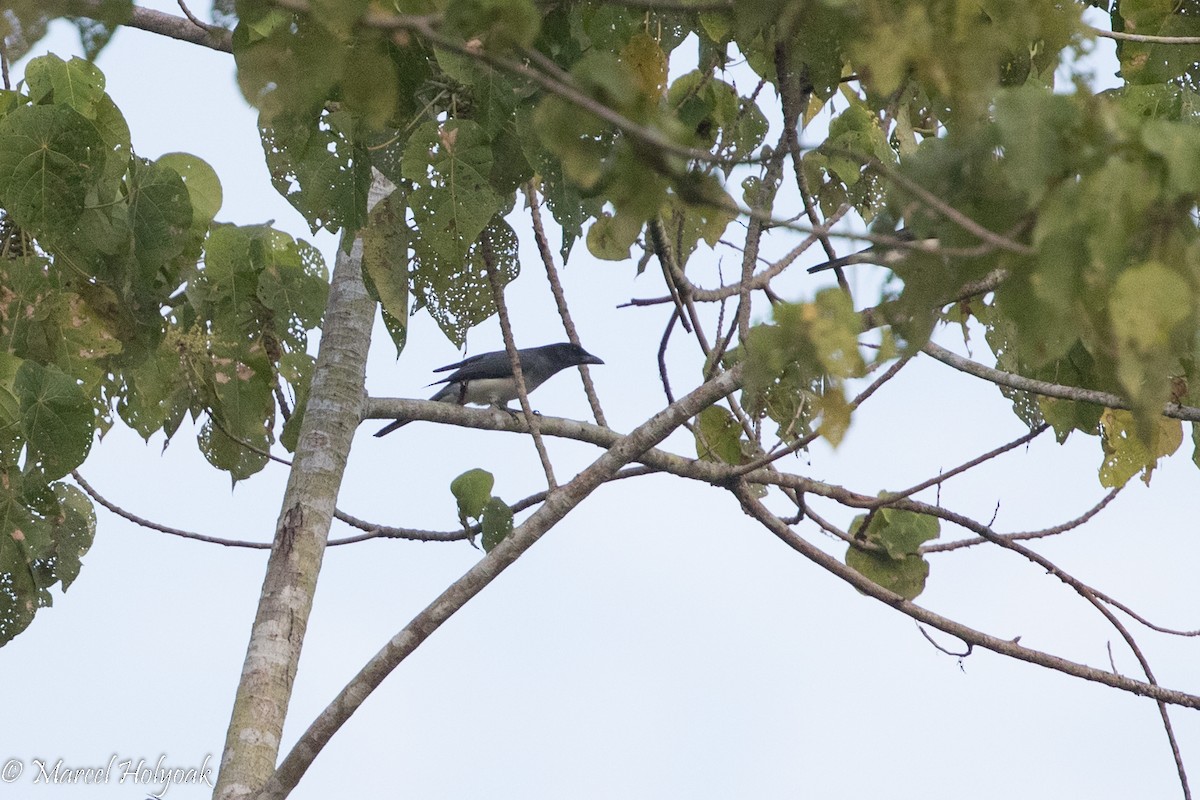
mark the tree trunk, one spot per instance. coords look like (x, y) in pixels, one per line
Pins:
(332, 415)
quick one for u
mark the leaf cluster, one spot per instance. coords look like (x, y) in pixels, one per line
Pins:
(120, 297)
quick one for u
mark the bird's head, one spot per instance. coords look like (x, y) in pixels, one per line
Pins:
(566, 355)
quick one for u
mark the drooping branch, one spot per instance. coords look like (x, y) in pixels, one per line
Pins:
(1006, 647)
(1090, 595)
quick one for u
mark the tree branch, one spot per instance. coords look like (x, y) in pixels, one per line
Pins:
(211, 36)
(559, 503)
(560, 299)
(1012, 381)
(1005, 647)
(1142, 37)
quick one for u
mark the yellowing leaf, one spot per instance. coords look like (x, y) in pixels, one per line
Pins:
(645, 59)
(1126, 454)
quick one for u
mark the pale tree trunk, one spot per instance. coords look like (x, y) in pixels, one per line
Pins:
(334, 410)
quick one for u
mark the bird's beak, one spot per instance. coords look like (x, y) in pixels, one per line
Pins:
(591, 359)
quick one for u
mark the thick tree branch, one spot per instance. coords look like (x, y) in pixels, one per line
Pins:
(181, 28)
(559, 503)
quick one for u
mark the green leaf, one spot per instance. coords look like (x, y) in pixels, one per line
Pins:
(901, 533)
(161, 212)
(320, 165)
(1178, 144)
(833, 326)
(1038, 130)
(905, 577)
(385, 263)
(718, 436)
(451, 200)
(1152, 310)
(231, 455)
(497, 523)
(457, 293)
(49, 156)
(473, 491)
(76, 83)
(56, 418)
(73, 527)
(611, 237)
(203, 186)
(157, 391)
(369, 86)
(647, 63)
(497, 24)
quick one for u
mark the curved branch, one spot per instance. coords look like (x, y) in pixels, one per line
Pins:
(213, 37)
(154, 526)
(559, 502)
(1005, 647)
(1054, 531)
(1013, 381)
(1090, 595)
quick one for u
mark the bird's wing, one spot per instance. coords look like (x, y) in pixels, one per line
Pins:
(480, 367)
(881, 254)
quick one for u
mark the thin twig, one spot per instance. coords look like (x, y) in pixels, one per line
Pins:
(938, 480)
(207, 27)
(662, 355)
(1024, 536)
(1143, 37)
(1089, 594)
(154, 526)
(489, 260)
(560, 299)
(970, 647)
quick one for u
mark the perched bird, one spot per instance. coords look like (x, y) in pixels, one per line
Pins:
(487, 379)
(886, 255)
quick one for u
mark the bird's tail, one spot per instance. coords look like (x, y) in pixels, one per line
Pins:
(844, 261)
(384, 431)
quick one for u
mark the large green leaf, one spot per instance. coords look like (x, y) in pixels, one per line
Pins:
(56, 418)
(49, 157)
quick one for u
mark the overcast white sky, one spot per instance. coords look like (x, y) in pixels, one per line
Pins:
(656, 643)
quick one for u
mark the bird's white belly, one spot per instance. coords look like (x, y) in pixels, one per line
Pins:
(490, 392)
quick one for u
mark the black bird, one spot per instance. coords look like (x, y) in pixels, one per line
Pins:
(487, 379)
(886, 255)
